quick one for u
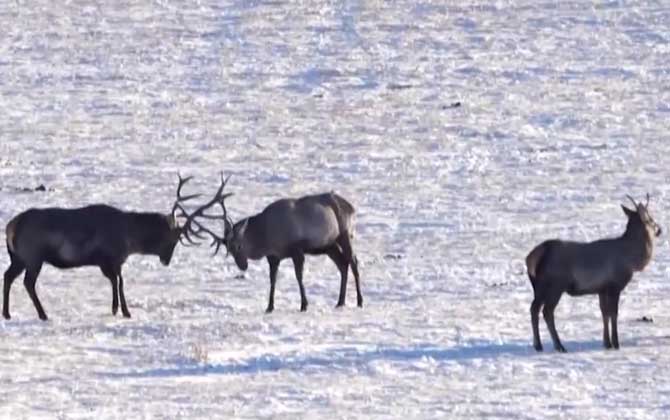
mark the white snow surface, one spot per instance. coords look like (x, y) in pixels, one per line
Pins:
(565, 109)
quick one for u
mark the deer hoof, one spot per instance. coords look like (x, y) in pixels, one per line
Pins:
(126, 314)
(339, 305)
(6, 315)
(269, 310)
(538, 347)
(43, 317)
(561, 349)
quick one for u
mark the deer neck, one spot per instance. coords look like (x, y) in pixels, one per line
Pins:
(638, 247)
(143, 232)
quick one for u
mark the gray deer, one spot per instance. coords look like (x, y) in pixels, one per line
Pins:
(292, 228)
(602, 267)
(95, 235)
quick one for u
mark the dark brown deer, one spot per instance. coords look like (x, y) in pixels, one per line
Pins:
(292, 228)
(603, 267)
(96, 235)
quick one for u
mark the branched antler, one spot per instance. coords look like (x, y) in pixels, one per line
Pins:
(193, 227)
(178, 205)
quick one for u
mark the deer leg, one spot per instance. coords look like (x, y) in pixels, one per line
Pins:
(535, 322)
(29, 282)
(548, 311)
(111, 275)
(613, 302)
(298, 265)
(604, 310)
(335, 254)
(347, 249)
(354, 269)
(274, 267)
(122, 297)
(15, 268)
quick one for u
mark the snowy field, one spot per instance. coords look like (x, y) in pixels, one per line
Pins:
(565, 108)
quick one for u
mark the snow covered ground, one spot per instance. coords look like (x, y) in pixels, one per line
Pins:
(565, 108)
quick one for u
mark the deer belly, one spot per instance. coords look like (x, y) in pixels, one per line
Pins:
(321, 237)
(590, 280)
(69, 254)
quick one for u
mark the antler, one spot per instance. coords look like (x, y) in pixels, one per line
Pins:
(178, 206)
(631, 199)
(188, 227)
(647, 203)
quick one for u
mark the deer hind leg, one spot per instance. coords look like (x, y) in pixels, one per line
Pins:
(348, 250)
(298, 265)
(354, 269)
(15, 269)
(605, 311)
(274, 267)
(550, 303)
(29, 282)
(335, 254)
(535, 307)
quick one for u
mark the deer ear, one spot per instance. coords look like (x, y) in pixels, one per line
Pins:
(628, 212)
(172, 221)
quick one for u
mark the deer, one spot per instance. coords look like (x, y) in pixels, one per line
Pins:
(603, 267)
(95, 235)
(320, 224)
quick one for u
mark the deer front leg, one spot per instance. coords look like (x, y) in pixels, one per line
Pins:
(274, 267)
(298, 264)
(604, 310)
(613, 302)
(108, 272)
(122, 297)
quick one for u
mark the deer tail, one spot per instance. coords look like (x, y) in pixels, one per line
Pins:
(534, 259)
(345, 214)
(10, 234)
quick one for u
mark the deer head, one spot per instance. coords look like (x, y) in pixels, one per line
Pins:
(234, 242)
(640, 217)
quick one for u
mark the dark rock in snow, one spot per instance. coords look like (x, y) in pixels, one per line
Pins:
(452, 105)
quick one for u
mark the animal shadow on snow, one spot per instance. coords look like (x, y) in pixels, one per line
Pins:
(340, 358)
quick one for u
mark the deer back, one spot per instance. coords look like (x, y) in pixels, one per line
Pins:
(311, 223)
(66, 237)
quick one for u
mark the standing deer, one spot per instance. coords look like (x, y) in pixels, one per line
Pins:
(292, 228)
(96, 235)
(603, 267)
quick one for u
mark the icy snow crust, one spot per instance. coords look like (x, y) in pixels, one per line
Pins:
(565, 108)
